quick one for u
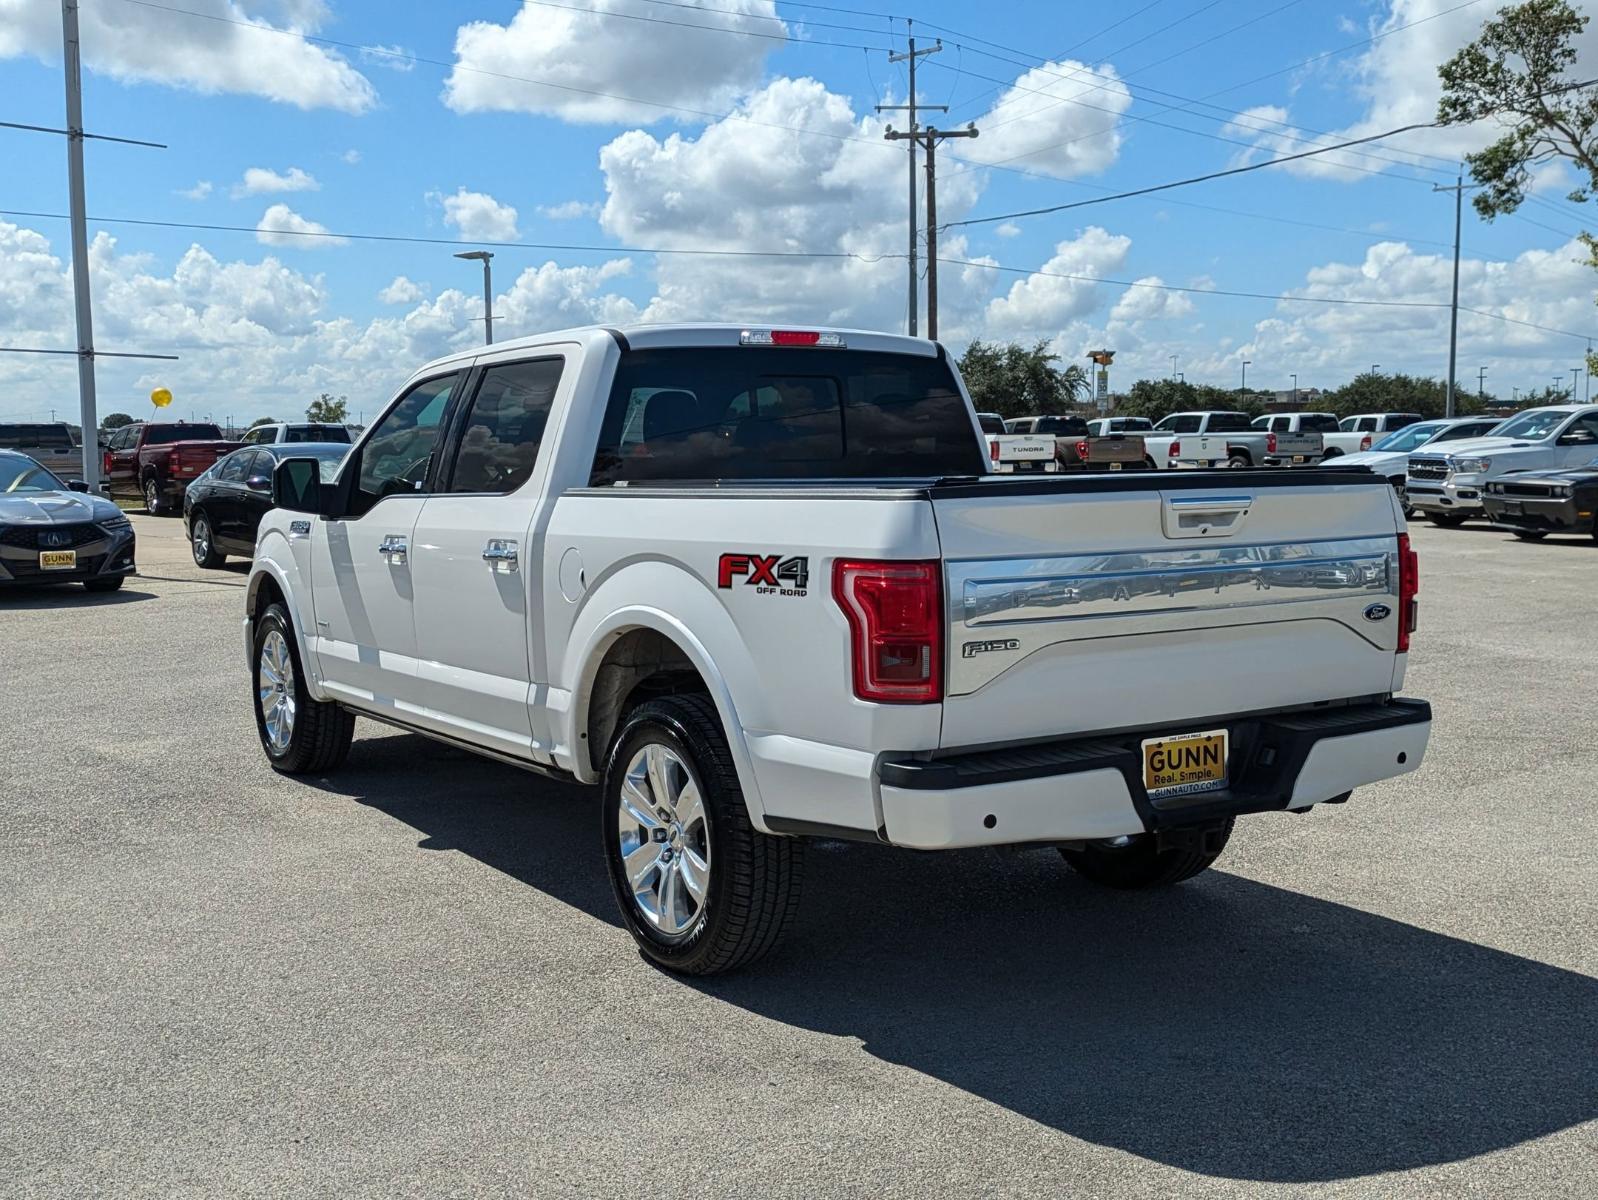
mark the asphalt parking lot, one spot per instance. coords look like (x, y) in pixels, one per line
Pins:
(407, 979)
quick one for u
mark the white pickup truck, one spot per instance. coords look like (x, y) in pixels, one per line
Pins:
(1244, 445)
(1351, 435)
(1016, 451)
(759, 586)
(1447, 487)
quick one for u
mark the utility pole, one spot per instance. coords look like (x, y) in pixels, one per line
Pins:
(485, 257)
(73, 71)
(930, 141)
(912, 108)
(1481, 384)
(1295, 391)
(1453, 307)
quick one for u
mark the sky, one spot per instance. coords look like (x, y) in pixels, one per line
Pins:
(656, 160)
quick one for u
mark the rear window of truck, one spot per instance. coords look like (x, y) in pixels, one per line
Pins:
(164, 435)
(748, 412)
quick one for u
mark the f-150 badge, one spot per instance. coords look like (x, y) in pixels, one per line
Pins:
(972, 649)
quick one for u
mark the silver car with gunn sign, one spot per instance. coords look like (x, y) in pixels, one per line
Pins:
(53, 531)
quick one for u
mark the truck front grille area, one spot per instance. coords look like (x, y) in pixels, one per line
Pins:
(1435, 469)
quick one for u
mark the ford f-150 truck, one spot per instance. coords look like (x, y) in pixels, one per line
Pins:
(759, 586)
(158, 460)
(1447, 488)
(1245, 445)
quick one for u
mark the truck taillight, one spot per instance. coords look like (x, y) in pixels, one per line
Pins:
(1082, 450)
(895, 615)
(1176, 448)
(105, 463)
(1270, 443)
(993, 450)
(1408, 589)
(1365, 442)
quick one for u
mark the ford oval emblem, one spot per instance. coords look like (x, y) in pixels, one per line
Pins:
(1378, 612)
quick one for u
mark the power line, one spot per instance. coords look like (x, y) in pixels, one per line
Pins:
(434, 241)
(1160, 187)
(96, 137)
(754, 33)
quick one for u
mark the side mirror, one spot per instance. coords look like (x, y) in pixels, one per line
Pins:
(259, 483)
(77, 485)
(1579, 437)
(297, 485)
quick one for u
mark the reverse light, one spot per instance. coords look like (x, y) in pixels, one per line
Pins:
(895, 615)
(1408, 589)
(789, 337)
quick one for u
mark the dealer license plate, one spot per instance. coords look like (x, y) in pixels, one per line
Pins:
(1115, 466)
(1298, 458)
(57, 560)
(1188, 762)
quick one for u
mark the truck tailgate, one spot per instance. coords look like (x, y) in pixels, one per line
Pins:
(1106, 603)
(1113, 449)
(1299, 445)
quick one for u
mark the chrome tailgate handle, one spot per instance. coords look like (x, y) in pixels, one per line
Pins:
(1183, 516)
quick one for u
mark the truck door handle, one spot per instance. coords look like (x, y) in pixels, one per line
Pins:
(393, 547)
(502, 554)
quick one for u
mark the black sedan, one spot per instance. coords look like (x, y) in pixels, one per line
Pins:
(1537, 503)
(223, 507)
(51, 531)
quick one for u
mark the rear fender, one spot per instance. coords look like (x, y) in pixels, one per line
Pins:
(681, 608)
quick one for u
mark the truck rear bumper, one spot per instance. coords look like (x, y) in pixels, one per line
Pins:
(1093, 788)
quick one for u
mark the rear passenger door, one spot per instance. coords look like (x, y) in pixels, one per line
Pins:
(477, 557)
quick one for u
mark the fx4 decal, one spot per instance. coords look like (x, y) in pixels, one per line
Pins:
(768, 574)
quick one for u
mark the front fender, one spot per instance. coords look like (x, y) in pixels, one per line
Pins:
(274, 560)
(681, 608)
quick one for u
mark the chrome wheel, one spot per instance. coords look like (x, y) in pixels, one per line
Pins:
(665, 840)
(152, 497)
(202, 540)
(274, 682)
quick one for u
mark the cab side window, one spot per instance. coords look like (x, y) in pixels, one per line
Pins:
(398, 456)
(501, 433)
(232, 469)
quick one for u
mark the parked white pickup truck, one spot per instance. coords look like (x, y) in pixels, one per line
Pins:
(1246, 446)
(1447, 488)
(1335, 442)
(1016, 451)
(759, 586)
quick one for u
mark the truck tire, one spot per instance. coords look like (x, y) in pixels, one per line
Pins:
(699, 888)
(1446, 520)
(1237, 461)
(300, 735)
(154, 502)
(106, 583)
(1531, 535)
(1138, 864)
(202, 540)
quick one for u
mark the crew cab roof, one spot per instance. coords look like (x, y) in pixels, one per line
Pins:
(671, 336)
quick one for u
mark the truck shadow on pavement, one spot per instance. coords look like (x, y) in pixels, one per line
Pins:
(1225, 1027)
(66, 595)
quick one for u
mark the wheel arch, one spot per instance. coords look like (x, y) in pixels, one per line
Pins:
(268, 584)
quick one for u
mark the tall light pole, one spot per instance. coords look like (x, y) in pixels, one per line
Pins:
(1242, 386)
(1375, 367)
(1481, 384)
(1574, 382)
(87, 417)
(1453, 308)
(485, 256)
(1295, 389)
(1173, 364)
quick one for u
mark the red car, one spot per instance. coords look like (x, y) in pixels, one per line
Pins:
(157, 461)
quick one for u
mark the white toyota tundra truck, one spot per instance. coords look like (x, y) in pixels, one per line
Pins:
(759, 586)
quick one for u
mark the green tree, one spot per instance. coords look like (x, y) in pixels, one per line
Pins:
(1391, 392)
(1019, 381)
(264, 421)
(1518, 72)
(328, 409)
(116, 421)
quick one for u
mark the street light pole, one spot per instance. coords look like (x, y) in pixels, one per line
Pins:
(485, 256)
(1242, 387)
(1453, 308)
(1173, 364)
(87, 417)
(1295, 389)
(1481, 384)
(1375, 367)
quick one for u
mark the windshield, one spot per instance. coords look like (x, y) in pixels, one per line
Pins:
(164, 435)
(1410, 436)
(1533, 425)
(329, 457)
(24, 475)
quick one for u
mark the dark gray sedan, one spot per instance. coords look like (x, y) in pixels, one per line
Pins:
(54, 532)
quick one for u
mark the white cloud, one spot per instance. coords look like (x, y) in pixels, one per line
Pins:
(571, 210)
(199, 191)
(259, 180)
(1065, 290)
(1395, 83)
(395, 58)
(1147, 300)
(479, 216)
(351, 157)
(262, 326)
(138, 44)
(280, 225)
(1008, 230)
(579, 54)
(1061, 119)
(402, 291)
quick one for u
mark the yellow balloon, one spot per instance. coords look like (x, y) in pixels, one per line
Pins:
(160, 397)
